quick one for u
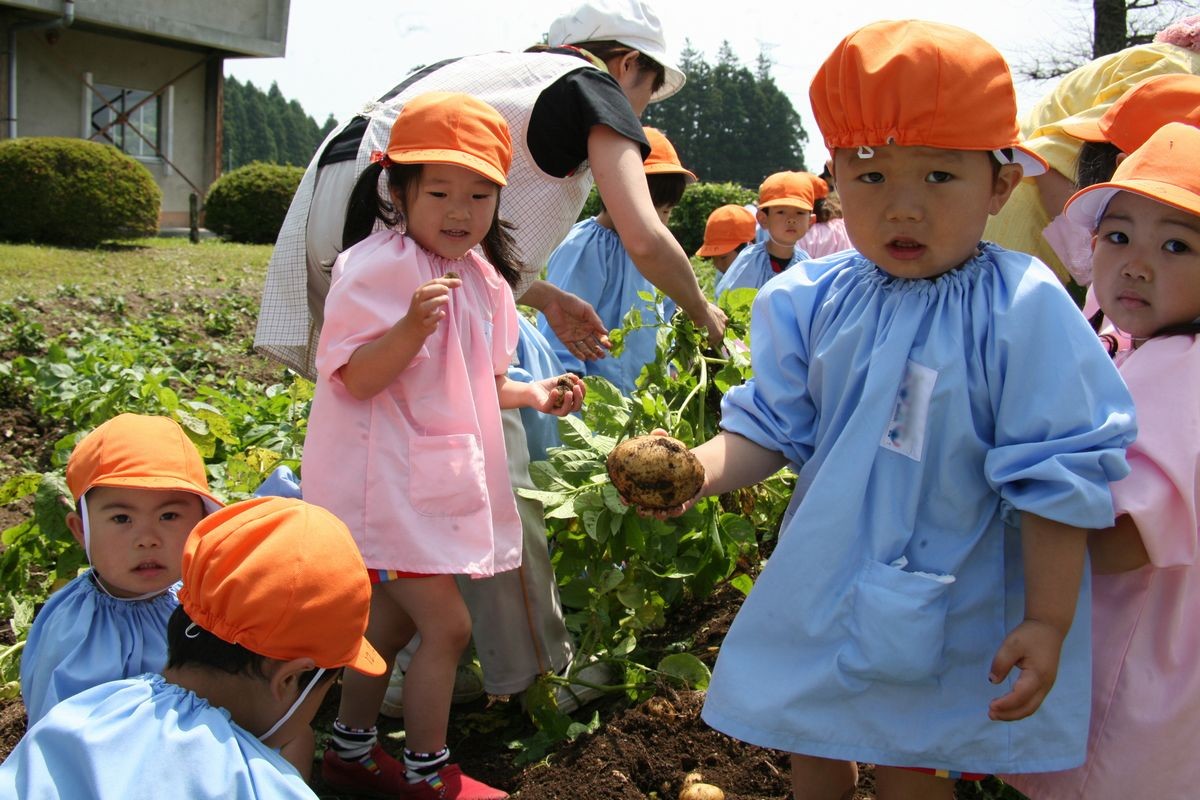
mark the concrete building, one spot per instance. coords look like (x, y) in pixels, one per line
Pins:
(143, 75)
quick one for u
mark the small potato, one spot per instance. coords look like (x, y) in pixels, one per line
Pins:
(701, 791)
(450, 274)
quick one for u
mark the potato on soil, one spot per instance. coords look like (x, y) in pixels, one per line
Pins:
(694, 788)
(655, 472)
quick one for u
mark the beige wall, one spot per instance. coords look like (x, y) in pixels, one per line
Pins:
(52, 100)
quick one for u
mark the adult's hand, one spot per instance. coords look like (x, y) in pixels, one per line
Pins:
(573, 320)
(714, 322)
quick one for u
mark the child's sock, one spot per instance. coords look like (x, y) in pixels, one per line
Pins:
(352, 744)
(424, 766)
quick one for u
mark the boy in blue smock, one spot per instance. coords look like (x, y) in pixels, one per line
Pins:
(593, 264)
(139, 488)
(274, 604)
(954, 424)
(785, 204)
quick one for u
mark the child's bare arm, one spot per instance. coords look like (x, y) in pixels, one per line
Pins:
(1118, 549)
(559, 396)
(376, 364)
(1054, 562)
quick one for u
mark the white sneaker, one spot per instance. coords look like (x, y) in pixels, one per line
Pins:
(573, 696)
(468, 687)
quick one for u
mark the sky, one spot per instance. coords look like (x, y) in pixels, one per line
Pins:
(340, 55)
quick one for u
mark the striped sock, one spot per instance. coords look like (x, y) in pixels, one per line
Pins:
(425, 766)
(353, 744)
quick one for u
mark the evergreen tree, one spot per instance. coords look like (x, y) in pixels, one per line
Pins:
(266, 126)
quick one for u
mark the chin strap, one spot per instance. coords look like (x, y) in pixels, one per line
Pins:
(312, 683)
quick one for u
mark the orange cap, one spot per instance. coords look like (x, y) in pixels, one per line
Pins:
(135, 451)
(1142, 110)
(1163, 169)
(663, 160)
(800, 189)
(917, 83)
(727, 227)
(282, 578)
(452, 128)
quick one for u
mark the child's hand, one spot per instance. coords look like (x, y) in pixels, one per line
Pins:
(559, 396)
(428, 306)
(1033, 647)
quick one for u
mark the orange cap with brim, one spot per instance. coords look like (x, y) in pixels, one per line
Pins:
(1166, 168)
(1142, 110)
(452, 128)
(916, 83)
(283, 579)
(799, 189)
(727, 227)
(663, 160)
(135, 451)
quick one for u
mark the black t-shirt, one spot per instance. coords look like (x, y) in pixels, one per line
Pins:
(559, 125)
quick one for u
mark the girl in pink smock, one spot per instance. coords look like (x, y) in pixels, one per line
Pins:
(405, 442)
(1146, 643)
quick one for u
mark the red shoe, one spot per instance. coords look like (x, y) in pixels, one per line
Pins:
(381, 775)
(450, 783)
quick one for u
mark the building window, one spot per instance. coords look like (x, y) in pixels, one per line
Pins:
(126, 118)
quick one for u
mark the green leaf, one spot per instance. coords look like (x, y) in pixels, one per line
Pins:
(742, 582)
(686, 668)
(19, 486)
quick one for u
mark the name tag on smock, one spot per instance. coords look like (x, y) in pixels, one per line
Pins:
(906, 431)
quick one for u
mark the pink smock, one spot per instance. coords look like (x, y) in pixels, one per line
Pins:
(419, 471)
(825, 238)
(1146, 640)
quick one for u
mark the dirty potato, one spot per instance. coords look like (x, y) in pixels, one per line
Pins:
(655, 472)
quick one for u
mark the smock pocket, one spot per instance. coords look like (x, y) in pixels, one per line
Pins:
(897, 624)
(446, 477)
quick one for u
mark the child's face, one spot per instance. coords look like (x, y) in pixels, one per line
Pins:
(786, 224)
(722, 262)
(450, 209)
(137, 536)
(918, 212)
(664, 212)
(1146, 265)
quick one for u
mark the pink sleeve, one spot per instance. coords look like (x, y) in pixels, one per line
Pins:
(504, 328)
(1160, 493)
(372, 286)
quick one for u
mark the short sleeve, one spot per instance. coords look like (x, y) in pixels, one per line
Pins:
(1160, 492)
(774, 409)
(1063, 416)
(361, 305)
(568, 109)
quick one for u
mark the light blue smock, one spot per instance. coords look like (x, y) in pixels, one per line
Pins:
(535, 361)
(144, 738)
(592, 263)
(752, 268)
(83, 637)
(922, 415)
(282, 482)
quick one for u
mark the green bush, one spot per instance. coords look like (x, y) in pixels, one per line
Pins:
(249, 203)
(688, 218)
(74, 192)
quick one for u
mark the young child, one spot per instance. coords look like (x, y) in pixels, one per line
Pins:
(729, 229)
(785, 203)
(139, 488)
(593, 264)
(954, 425)
(405, 442)
(274, 603)
(1145, 688)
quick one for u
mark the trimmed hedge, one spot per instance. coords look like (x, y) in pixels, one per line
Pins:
(689, 217)
(63, 191)
(249, 204)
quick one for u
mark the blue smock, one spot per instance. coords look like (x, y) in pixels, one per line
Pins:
(752, 268)
(83, 637)
(592, 263)
(145, 738)
(535, 361)
(922, 415)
